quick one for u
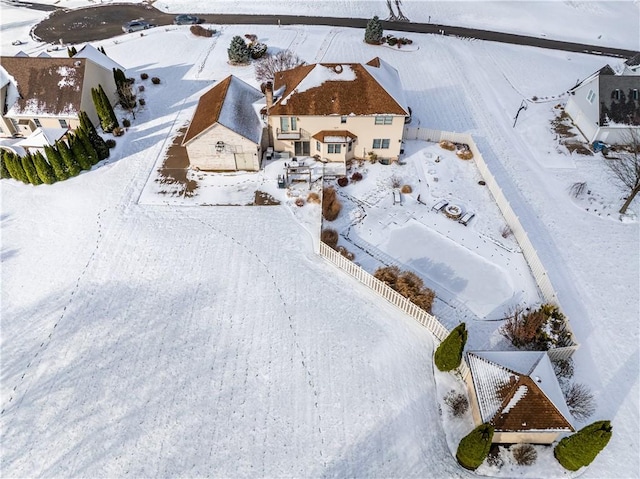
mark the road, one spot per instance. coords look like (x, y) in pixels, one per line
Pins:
(104, 21)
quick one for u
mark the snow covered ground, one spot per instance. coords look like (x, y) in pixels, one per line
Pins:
(155, 340)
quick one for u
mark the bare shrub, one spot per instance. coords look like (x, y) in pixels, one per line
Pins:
(580, 401)
(346, 253)
(329, 237)
(155, 80)
(577, 189)
(313, 198)
(299, 201)
(447, 145)
(494, 458)
(505, 232)
(464, 154)
(343, 181)
(406, 189)
(458, 403)
(357, 176)
(331, 205)
(200, 31)
(522, 326)
(144, 76)
(388, 275)
(266, 68)
(395, 182)
(524, 454)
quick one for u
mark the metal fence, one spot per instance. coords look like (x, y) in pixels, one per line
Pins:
(537, 268)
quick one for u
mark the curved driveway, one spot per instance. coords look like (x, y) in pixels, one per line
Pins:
(104, 21)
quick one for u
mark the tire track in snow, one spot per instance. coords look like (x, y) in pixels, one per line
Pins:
(304, 361)
(35, 361)
(326, 43)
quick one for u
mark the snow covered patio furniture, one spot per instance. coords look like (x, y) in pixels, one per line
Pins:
(439, 205)
(465, 218)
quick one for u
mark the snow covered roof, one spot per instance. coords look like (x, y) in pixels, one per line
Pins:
(91, 53)
(340, 89)
(42, 137)
(518, 391)
(45, 86)
(231, 104)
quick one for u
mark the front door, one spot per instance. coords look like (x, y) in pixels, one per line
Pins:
(302, 148)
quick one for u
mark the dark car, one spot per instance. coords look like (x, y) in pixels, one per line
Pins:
(135, 25)
(187, 20)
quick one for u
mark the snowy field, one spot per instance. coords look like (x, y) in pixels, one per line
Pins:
(155, 340)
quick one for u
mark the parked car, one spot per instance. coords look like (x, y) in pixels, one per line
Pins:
(135, 25)
(187, 20)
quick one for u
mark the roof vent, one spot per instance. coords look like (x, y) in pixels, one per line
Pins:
(337, 68)
(538, 380)
(77, 63)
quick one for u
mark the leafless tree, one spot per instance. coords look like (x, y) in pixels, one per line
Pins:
(580, 401)
(524, 454)
(625, 166)
(267, 68)
(458, 403)
(127, 98)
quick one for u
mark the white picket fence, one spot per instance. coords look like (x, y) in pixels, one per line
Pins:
(427, 320)
(537, 268)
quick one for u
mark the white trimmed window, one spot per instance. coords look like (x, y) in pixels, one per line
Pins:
(634, 94)
(63, 124)
(318, 147)
(343, 119)
(381, 143)
(591, 96)
(383, 120)
(37, 123)
(333, 148)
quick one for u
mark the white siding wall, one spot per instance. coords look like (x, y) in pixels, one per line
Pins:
(95, 75)
(363, 127)
(203, 155)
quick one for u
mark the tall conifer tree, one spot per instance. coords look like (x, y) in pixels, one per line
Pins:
(55, 160)
(96, 140)
(30, 169)
(73, 168)
(79, 153)
(14, 165)
(43, 168)
(4, 172)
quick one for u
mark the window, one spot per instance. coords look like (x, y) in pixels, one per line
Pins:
(318, 147)
(294, 124)
(63, 124)
(37, 123)
(381, 143)
(349, 146)
(343, 119)
(634, 94)
(333, 148)
(591, 96)
(284, 123)
(615, 94)
(384, 120)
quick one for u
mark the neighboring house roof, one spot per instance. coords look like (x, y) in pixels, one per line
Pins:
(45, 86)
(41, 137)
(340, 89)
(230, 104)
(334, 136)
(518, 391)
(95, 55)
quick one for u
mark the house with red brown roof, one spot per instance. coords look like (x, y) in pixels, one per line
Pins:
(518, 393)
(337, 111)
(43, 92)
(226, 130)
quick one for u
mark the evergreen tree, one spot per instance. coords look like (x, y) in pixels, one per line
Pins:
(4, 172)
(119, 77)
(73, 168)
(474, 447)
(79, 153)
(96, 140)
(448, 356)
(14, 165)
(581, 448)
(43, 168)
(373, 32)
(109, 109)
(108, 119)
(30, 169)
(57, 165)
(238, 50)
(91, 152)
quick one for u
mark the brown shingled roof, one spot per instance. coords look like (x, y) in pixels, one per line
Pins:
(362, 96)
(320, 136)
(50, 86)
(208, 110)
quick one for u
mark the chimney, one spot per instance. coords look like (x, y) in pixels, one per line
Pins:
(268, 93)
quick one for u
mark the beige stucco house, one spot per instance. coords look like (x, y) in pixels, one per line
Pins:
(605, 105)
(337, 111)
(518, 393)
(225, 133)
(43, 92)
